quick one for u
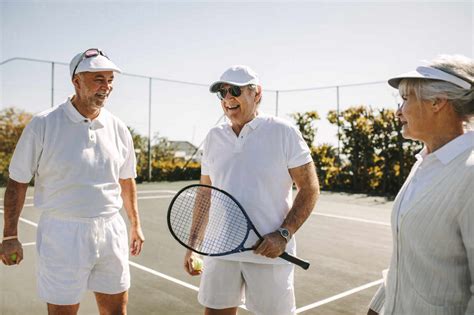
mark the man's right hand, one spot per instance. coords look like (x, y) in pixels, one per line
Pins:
(10, 249)
(372, 312)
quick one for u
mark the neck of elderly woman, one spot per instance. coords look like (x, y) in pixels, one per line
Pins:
(443, 125)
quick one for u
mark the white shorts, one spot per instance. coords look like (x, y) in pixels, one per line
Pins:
(268, 289)
(79, 254)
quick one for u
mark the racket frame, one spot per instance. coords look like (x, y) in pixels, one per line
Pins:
(250, 226)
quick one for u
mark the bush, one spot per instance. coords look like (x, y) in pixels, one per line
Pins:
(12, 123)
(169, 170)
(374, 157)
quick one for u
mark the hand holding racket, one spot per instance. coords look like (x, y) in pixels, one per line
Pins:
(209, 221)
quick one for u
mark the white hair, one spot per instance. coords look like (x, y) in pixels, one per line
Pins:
(255, 88)
(461, 99)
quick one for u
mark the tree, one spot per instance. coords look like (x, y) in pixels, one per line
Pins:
(306, 123)
(140, 144)
(378, 157)
(327, 166)
(12, 123)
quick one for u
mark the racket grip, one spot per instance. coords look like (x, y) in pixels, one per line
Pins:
(300, 262)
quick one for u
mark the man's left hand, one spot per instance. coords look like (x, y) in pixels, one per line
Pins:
(272, 246)
(136, 241)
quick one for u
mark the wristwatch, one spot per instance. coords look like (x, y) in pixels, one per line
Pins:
(285, 234)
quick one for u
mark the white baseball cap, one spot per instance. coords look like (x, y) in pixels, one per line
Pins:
(430, 73)
(91, 60)
(237, 75)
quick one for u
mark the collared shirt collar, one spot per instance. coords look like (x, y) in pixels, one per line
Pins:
(76, 117)
(253, 124)
(452, 149)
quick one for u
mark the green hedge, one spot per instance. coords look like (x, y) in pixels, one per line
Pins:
(374, 157)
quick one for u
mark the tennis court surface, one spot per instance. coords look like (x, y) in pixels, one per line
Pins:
(346, 239)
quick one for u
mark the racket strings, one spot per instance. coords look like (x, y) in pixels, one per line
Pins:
(208, 220)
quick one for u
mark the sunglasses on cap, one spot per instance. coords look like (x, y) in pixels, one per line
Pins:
(89, 53)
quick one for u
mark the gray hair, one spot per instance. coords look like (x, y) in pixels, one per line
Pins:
(461, 99)
(254, 87)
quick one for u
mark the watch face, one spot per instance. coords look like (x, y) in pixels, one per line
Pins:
(285, 232)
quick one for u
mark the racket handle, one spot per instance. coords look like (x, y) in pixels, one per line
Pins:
(302, 263)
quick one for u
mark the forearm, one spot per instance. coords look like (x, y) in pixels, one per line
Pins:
(306, 197)
(129, 197)
(13, 204)
(200, 220)
(303, 205)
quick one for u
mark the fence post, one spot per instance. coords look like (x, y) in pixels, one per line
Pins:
(276, 105)
(338, 125)
(149, 129)
(52, 84)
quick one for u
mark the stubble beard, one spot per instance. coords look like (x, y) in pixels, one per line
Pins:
(96, 103)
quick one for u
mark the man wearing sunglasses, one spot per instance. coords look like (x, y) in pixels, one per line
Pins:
(83, 162)
(256, 158)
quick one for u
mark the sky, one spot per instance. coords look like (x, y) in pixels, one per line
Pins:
(290, 44)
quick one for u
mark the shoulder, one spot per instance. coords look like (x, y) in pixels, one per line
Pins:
(112, 119)
(277, 123)
(219, 129)
(49, 113)
(39, 120)
(462, 170)
(469, 162)
(116, 125)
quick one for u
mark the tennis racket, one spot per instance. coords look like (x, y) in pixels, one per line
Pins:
(210, 222)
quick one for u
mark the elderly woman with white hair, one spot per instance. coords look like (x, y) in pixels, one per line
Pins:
(432, 266)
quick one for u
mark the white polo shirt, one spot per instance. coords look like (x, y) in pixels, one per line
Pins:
(76, 162)
(253, 168)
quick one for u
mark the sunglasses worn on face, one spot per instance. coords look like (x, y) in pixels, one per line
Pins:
(235, 91)
(89, 53)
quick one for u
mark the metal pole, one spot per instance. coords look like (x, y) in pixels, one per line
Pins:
(52, 84)
(276, 106)
(338, 125)
(149, 129)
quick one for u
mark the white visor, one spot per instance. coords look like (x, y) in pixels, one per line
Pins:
(430, 73)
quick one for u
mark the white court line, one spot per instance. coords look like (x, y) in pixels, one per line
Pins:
(149, 270)
(350, 218)
(162, 275)
(28, 244)
(299, 310)
(27, 197)
(177, 281)
(25, 220)
(143, 197)
(155, 197)
(138, 192)
(157, 191)
(338, 296)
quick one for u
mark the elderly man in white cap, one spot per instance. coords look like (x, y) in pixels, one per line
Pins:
(256, 158)
(83, 162)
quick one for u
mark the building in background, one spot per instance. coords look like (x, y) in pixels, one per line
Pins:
(185, 150)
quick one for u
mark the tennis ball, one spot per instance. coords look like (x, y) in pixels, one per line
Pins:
(13, 257)
(197, 264)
